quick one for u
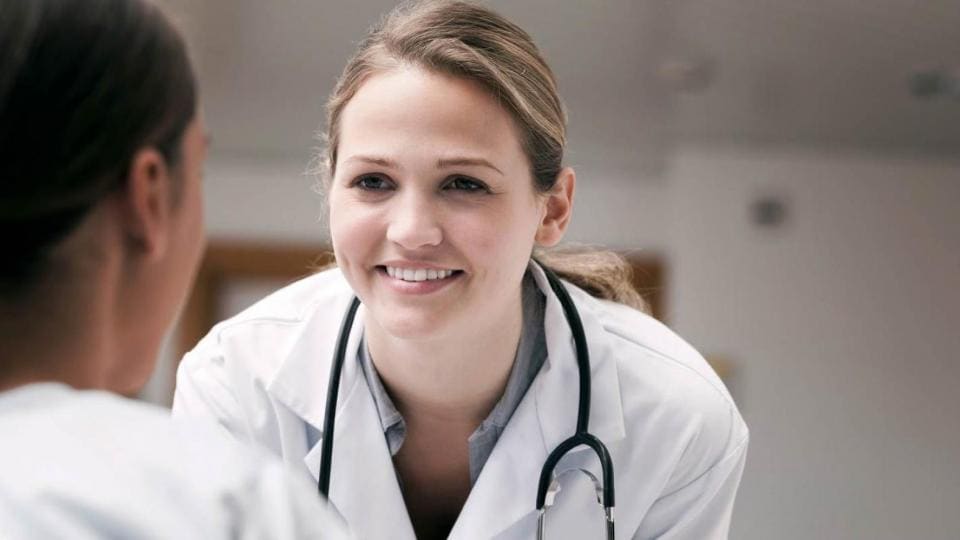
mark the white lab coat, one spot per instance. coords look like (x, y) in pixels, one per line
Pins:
(676, 438)
(88, 465)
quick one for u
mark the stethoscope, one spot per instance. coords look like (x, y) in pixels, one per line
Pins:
(549, 484)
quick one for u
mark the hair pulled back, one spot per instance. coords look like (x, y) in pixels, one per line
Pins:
(84, 84)
(467, 40)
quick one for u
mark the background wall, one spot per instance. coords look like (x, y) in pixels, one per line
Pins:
(841, 322)
(843, 325)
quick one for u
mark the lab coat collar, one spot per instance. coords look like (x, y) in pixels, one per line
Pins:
(363, 481)
(502, 503)
(557, 405)
(301, 382)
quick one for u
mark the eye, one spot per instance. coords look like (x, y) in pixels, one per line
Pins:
(466, 184)
(372, 182)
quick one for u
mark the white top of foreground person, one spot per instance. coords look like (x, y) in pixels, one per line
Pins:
(90, 464)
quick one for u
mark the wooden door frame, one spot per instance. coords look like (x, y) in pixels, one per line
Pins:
(225, 261)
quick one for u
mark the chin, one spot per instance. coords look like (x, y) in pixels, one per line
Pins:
(409, 325)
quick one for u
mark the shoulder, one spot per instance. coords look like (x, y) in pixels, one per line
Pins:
(290, 304)
(122, 460)
(89, 464)
(668, 389)
(270, 327)
(149, 439)
(646, 345)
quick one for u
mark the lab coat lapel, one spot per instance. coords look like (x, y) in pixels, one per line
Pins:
(557, 394)
(301, 381)
(363, 485)
(363, 482)
(502, 503)
(507, 487)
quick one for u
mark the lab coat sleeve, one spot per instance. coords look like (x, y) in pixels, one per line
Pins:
(205, 392)
(701, 509)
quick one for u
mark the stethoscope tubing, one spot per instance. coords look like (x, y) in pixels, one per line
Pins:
(580, 342)
(333, 391)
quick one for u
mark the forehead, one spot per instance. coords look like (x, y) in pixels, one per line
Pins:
(410, 108)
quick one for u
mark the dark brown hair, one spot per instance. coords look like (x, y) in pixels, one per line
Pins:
(84, 84)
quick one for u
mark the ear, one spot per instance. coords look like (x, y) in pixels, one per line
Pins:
(146, 204)
(557, 209)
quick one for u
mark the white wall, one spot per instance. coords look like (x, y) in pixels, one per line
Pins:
(844, 328)
(841, 324)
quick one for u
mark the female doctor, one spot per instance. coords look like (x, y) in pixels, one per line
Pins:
(443, 171)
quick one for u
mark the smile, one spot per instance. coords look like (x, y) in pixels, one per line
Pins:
(419, 274)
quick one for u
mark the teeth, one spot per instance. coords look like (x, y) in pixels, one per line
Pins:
(422, 274)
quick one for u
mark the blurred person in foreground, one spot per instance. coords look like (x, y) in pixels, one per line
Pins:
(101, 220)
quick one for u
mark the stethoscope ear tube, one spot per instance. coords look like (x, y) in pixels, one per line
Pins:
(333, 390)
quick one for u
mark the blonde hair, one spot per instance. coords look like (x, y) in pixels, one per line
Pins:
(604, 274)
(470, 41)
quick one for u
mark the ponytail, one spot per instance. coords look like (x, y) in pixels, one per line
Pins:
(603, 274)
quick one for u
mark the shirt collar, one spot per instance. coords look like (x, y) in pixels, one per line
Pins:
(530, 356)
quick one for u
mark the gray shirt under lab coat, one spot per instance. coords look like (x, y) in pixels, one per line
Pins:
(531, 353)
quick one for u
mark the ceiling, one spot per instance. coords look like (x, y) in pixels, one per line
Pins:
(638, 77)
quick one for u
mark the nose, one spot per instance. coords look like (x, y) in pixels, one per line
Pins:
(414, 223)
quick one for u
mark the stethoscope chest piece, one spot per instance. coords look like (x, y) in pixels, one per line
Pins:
(549, 486)
(555, 488)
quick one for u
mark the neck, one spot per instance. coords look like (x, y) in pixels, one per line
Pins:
(457, 378)
(57, 335)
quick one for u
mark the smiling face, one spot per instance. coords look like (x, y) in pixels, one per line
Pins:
(433, 213)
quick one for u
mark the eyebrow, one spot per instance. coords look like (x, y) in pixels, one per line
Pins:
(465, 161)
(441, 163)
(374, 160)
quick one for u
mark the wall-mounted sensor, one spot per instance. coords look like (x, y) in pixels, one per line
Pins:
(688, 74)
(935, 83)
(768, 211)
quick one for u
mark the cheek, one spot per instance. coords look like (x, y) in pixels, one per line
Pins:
(505, 235)
(353, 228)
